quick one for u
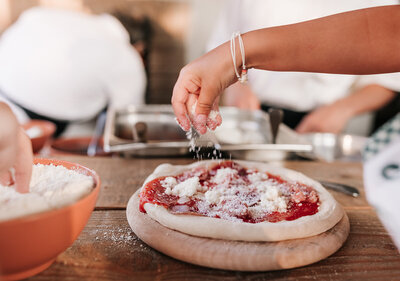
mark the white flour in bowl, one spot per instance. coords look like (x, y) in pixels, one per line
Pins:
(51, 187)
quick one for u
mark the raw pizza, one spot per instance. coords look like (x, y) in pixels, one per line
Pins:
(238, 200)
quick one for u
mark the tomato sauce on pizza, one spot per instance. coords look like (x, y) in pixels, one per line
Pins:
(230, 191)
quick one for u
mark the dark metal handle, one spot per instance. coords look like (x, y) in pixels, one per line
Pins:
(275, 119)
(98, 132)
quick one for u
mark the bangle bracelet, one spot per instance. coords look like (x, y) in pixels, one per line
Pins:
(243, 76)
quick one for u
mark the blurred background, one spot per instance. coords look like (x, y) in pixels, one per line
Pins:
(180, 30)
(166, 34)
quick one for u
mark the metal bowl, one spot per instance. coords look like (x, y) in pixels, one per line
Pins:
(252, 130)
(148, 130)
(151, 130)
(330, 147)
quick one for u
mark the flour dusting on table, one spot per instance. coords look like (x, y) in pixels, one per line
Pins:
(51, 187)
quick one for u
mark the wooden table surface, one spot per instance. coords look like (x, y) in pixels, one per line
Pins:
(107, 249)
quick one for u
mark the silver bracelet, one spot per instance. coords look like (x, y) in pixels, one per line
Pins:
(243, 77)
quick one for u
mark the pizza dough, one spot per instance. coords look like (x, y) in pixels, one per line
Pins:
(328, 215)
(235, 255)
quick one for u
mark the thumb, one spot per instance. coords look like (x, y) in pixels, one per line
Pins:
(204, 105)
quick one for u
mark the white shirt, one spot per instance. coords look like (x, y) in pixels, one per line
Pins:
(297, 91)
(69, 65)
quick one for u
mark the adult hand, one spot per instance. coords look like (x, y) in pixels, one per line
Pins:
(202, 81)
(15, 151)
(241, 96)
(327, 119)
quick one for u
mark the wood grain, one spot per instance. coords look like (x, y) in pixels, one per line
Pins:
(107, 249)
(235, 255)
(122, 177)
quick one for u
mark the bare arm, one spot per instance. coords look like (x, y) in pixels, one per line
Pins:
(359, 42)
(364, 41)
(334, 117)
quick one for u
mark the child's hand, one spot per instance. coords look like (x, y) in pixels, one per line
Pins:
(15, 151)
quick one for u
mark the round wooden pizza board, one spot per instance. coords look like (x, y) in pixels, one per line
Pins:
(235, 255)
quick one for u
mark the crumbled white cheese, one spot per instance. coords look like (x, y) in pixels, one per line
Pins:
(277, 205)
(168, 183)
(230, 196)
(224, 175)
(186, 188)
(213, 115)
(271, 198)
(213, 196)
(281, 204)
(262, 194)
(272, 193)
(257, 177)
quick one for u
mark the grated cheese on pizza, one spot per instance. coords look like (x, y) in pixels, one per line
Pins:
(232, 192)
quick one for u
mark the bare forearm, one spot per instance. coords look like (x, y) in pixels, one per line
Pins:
(367, 99)
(360, 42)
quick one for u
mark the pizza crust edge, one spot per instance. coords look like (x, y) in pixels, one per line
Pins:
(329, 214)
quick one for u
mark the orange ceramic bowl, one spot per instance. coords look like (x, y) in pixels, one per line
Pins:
(30, 244)
(47, 129)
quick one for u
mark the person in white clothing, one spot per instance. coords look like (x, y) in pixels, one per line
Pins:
(67, 66)
(311, 101)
